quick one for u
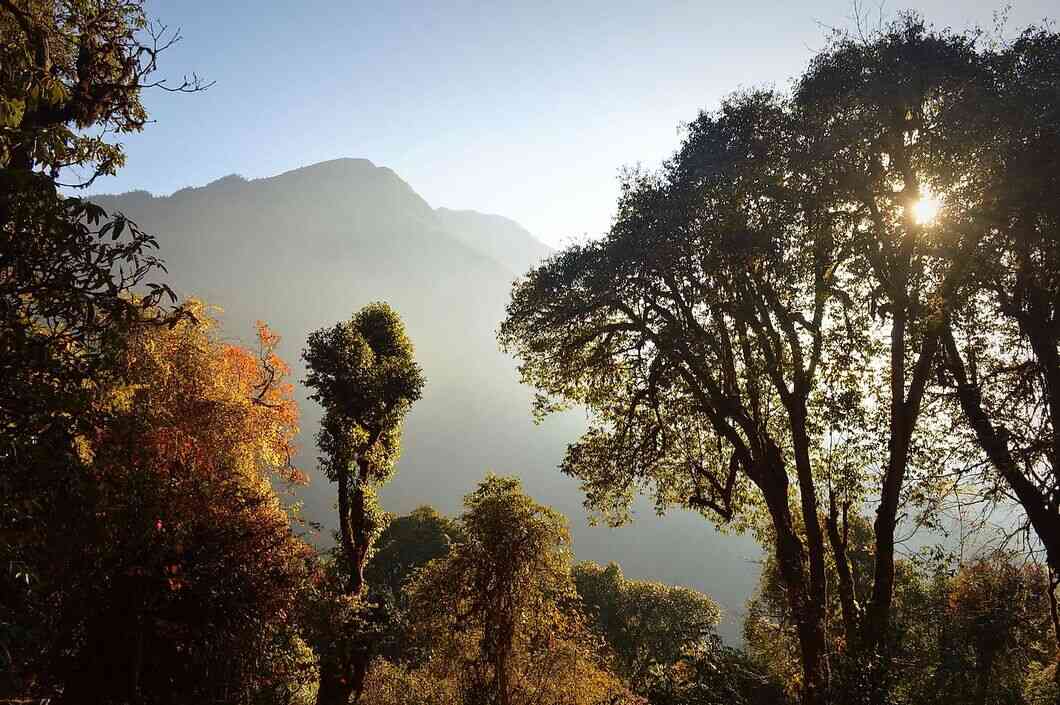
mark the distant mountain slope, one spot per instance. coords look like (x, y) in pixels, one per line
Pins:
(501, 239)
(307, 248)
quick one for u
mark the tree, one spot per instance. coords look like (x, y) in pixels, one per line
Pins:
(67, 272)
(999, 616)
(725, 676)
(648, 625)
(772, 643)
(71, 69)
(500, 613)
(1001, 357)
(727, 332)
(407, 544)
(664, 643)
(363, 373)
(965, 633)
(173, 571)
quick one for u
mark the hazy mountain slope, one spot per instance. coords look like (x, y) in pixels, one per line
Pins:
(500, 238)
(307, 248)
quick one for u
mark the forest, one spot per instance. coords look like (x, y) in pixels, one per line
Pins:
(829, 321)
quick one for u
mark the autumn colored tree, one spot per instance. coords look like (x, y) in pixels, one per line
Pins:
(1000, 625)
(173, 574)
(363, 373)
(500, 614)
(392, 684)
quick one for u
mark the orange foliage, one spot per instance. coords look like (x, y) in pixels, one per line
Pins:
(195, 555)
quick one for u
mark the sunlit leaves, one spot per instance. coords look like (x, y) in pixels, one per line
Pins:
(500, 611)
(364, 375)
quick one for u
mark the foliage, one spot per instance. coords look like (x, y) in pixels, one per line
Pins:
(73, 73)
(647, 625)
(972, 633)
(363, 373)
(408, 543)
(758, 335)
(171, 559)
(499, 613)
(390, 684)
(67, 274)
(721, 676)
(1001, 356)
(999, 616)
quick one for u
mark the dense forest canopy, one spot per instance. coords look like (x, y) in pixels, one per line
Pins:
(834, 310)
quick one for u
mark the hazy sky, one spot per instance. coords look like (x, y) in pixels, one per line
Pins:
(528, 110)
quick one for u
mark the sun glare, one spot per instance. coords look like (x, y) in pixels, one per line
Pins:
(926, 209)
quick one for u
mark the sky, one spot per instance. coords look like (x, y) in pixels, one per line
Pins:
(528, 110)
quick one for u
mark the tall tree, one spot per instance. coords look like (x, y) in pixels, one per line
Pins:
(171, 571)
(1001, 356)
(364, 374)
(728, 331)
(72, 75)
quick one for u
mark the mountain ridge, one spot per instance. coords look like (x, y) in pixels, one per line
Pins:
(516, 250)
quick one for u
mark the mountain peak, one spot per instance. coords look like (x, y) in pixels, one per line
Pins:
(348, 165)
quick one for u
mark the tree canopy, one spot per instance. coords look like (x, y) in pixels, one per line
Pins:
(501, 610)
(759, 335)
(648, 625)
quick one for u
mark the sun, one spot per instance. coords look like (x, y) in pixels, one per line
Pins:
(926, 209)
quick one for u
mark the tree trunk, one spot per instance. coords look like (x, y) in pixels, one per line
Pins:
(344, 672)
(983, 671)
(905, 410)
(848, 600)
(806, 605)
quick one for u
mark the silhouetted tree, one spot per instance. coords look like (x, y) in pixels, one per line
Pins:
(728, 331)
(1001, 347)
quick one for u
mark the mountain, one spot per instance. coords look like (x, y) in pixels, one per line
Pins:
(501, 239)
(307, 248)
